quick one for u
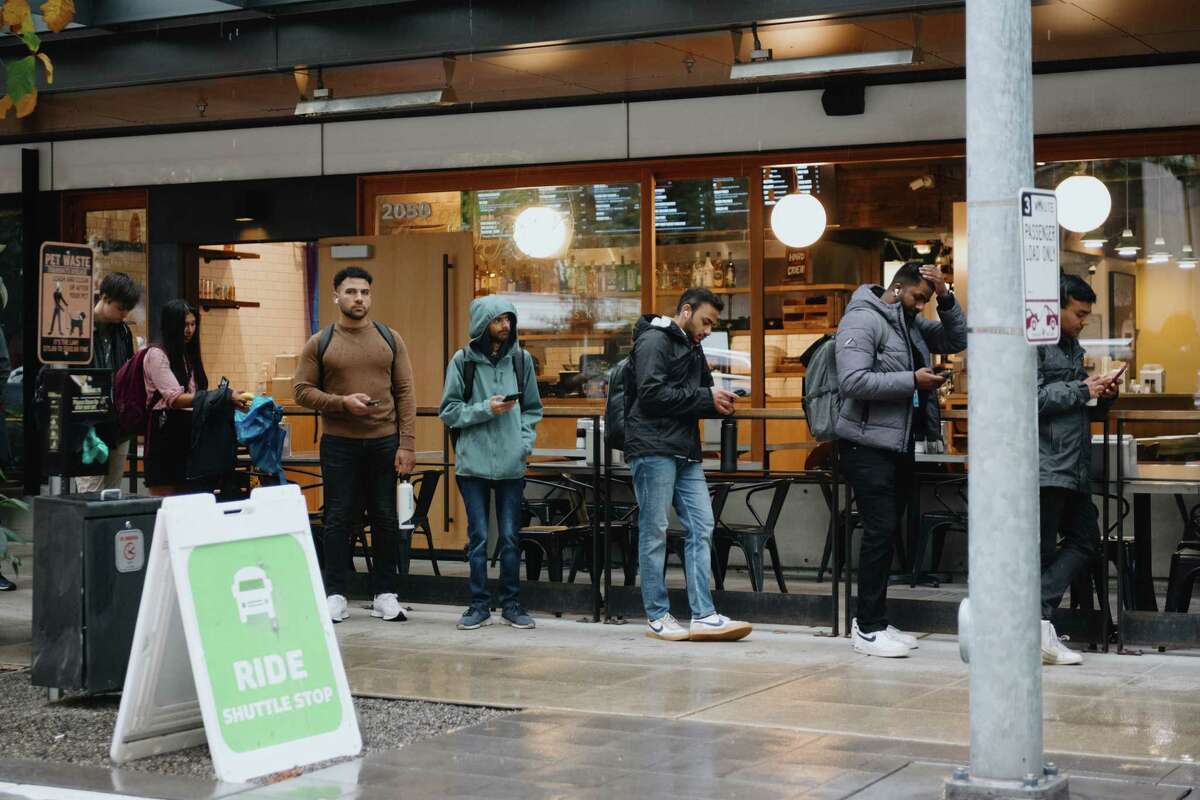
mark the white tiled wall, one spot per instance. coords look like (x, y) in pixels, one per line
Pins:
(236, 342)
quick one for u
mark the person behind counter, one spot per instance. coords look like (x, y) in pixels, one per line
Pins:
(495, 439)
(1065, 394)
(176, 389)
(112, 346)
(672, 389)
(356, 372)
(889, 402)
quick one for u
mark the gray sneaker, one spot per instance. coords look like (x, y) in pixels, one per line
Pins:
(473, 618)
(515, 615)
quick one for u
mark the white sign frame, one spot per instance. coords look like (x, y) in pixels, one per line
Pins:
(168, 702)
(1037, 219)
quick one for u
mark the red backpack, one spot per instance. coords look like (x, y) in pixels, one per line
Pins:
(129, 395)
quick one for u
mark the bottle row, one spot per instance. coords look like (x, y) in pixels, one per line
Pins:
(709, 273)
(212, 290)
(562, 277)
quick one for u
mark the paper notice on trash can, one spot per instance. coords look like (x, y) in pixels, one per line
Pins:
(1039, 265)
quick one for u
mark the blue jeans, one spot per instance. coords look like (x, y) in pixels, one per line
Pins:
(475, 494)
(660, 482)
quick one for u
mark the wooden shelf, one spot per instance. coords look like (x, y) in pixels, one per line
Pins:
(801, 331)
(810, 287)
(549, 337)
(677, 292)
(211, 302)
(797, 374)
(208, 254)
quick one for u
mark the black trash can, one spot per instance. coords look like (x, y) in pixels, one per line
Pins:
(89, 564)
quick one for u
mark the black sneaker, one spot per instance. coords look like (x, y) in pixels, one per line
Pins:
(516, 616)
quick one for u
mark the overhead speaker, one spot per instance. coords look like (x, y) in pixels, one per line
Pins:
(844, 99)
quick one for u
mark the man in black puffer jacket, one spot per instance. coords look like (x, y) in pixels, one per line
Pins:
(674, 390)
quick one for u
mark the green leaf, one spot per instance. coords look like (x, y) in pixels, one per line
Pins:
(31, 40)
(22, 77)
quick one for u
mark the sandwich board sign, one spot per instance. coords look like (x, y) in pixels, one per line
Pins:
(233, 645)
(1039, 265)
(67, 277)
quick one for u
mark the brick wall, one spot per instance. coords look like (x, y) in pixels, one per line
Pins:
(236, 342)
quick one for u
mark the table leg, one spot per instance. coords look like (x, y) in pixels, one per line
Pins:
(1143, 578)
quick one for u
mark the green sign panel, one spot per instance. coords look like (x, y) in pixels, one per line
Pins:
(272, 677)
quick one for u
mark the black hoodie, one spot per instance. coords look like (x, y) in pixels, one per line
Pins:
(673, 385)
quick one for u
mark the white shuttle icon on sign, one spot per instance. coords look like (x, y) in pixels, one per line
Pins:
(253, 592)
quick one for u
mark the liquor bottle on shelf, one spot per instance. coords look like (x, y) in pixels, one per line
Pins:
(730, 275)
(718, 278)
(697, 276)
(664, 276)
(706, 275)
(635, 271)
(590, 286)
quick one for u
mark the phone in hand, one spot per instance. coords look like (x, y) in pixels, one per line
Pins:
(373, 402)
(508, 398)
(1117, 376)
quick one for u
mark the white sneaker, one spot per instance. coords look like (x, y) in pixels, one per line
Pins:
(666, 627)
(903, 638)
(387, 607)
(718, 628)
(338, 610)
(878, 643)
(1053, 649)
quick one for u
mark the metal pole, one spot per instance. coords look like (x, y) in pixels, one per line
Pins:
(1003, 635)
(596, 545)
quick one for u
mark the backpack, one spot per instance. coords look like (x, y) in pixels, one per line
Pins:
(327, 337)
(617, 405)
(822, 399)
(129, 395)
(467, 375)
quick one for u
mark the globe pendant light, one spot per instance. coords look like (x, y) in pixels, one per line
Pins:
(798, 220)
(541, 232)
(1083, 203)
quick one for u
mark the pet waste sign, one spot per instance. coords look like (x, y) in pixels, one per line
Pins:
(65, 303)
(245, 621)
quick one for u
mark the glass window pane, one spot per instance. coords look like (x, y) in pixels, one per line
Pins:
(702, 239)
(118, 238)
(575, 276)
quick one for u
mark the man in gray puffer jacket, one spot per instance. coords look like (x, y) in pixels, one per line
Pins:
(889, 402)
(1065, 412)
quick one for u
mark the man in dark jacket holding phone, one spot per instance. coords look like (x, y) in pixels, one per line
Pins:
(1068, 400)
(889, 402)
(674, 390)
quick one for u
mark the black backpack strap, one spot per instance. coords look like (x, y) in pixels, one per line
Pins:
(519, 365)
(467, 373)
(322, 346)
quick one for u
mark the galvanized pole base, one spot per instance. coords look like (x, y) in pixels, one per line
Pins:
(1049, 786)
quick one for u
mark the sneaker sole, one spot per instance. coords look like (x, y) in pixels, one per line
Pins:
(528, 627)
(1054, 661)
(866, 652)
(731, 633)
(666, 637)
(475, 627)
(337, 620)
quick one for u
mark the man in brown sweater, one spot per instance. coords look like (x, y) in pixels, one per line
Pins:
(357, 374)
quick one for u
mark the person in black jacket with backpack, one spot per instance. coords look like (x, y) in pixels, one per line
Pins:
(112, 346)
(671, 391)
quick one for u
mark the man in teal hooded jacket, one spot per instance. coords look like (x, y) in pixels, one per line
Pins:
(495, 439)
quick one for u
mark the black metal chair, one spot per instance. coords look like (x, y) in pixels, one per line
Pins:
(934, 527)
(718, 493)
(622, 523)
(1185, 570)
(547, 542)
(425, 486)
(754, 540)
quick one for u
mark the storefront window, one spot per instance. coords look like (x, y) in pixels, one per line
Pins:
(571, 266)
(118, 239)
(1140, 259)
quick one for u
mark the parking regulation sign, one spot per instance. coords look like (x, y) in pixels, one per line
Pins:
(1039, 265)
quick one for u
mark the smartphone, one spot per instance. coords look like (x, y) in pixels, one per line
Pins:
(1117, 377)
(508, 398)
(944, 372)
(373, 402)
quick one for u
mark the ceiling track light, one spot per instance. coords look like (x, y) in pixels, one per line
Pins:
(763, 64)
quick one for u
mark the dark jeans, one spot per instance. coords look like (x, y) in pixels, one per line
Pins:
(882, 481)
(476, 497)
(1074, 516)
(360, 475)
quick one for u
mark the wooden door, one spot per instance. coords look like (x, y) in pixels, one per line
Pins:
(407, 294)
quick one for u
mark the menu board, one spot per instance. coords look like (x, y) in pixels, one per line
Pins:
(594, 209)
(679, 206)
(803, 178)
(731, 198)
